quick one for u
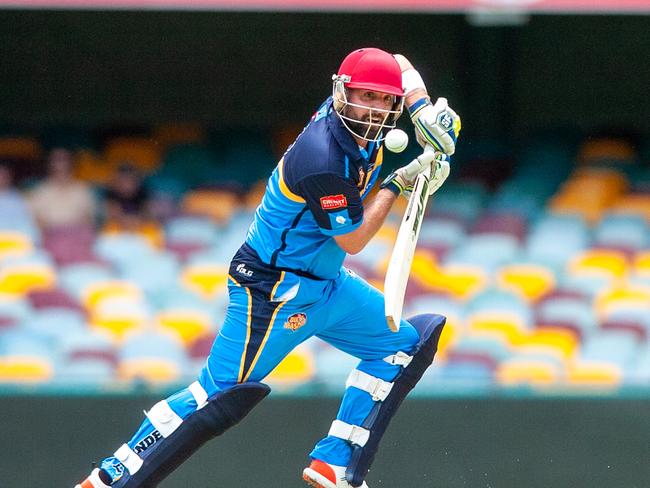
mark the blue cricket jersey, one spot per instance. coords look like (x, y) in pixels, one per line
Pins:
(315, 193)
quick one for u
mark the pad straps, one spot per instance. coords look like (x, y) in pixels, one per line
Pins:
(348, 432)
(377, 388)
(128, 458)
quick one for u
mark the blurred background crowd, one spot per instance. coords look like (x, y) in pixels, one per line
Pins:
(135, 140)
(134, 148)
(113, 261)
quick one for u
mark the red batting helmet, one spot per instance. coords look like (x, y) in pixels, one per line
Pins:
(369, 69)
(372, 69)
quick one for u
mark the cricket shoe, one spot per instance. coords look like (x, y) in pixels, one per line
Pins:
(320, 474)
(106, 475)
(94, 480)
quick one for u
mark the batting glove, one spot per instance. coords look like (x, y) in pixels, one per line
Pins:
(440, 172)
(437, 125)
(402, 179)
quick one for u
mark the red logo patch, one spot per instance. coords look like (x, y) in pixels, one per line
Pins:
(330, 202)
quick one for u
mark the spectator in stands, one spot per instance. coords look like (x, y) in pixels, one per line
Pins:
(126, 200)
(13, 206)
(61, 200)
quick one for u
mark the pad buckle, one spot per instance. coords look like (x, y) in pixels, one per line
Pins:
(399, 359)
(348, 432)
(380, 390)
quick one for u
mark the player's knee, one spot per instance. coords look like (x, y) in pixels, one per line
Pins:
(429, 328)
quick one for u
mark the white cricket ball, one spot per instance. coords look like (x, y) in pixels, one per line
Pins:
(396, 140)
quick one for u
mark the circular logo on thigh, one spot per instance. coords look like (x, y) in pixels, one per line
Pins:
(295, 321)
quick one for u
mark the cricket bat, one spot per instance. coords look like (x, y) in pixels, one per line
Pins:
(399, 266)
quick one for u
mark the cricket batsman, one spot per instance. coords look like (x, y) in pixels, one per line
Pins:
(286, 284)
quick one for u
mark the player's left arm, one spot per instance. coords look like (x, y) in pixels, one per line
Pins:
(435, 124)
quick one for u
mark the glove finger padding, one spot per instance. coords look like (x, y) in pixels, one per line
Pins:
(440, 172)
(437, 125)
(418, 165)
(402, 179)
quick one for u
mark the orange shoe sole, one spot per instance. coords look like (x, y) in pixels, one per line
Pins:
(311, 482)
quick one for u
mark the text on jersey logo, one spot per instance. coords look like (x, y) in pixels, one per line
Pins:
(331, 202)
(241, 269)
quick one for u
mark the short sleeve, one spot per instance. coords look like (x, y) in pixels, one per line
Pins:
(334, 202)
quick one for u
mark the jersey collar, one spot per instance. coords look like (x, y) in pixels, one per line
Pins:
(345, 139)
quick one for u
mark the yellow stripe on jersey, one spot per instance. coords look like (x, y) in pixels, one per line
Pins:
(266, 336)
(283, 186)
(248, 334)
(275, 287)
(378, 160)
(380, 156)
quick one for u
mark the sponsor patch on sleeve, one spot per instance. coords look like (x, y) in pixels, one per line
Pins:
(332, 202)
(340, 219)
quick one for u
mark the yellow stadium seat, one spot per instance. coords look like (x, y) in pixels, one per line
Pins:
(622, 297)
(216, 204)
(589, 192)
(529, 280)
(23, 278)
(424, 267)
(205, 279)
(20, 148)
(25, 369)
(606, 149)
(92, 168)
(598, 178)
(14, 244)
(450, 335)
(298, 366)
(507, 326)
(170, 134)
(634, 204)
(150, 230)
(594, 373)
(460, 281)
(425, 270)
(151, 370)
(558, 342)
(591, 211)
(641, 263)
(188, 324)
(143, 153)
(531, 372)
(119, 317)
(97, 292)
(608, 263)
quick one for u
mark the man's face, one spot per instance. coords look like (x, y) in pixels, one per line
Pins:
(60, 163)
(374, 116)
